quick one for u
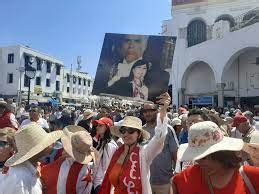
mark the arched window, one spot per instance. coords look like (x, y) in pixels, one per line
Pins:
(228, 18)
(196, 32)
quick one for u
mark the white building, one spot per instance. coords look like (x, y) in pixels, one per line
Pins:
(77, 87)
(216, 59)
(48, 79)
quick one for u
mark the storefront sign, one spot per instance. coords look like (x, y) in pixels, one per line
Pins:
(202, 100)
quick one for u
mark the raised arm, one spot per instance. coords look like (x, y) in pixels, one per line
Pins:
(156, 144)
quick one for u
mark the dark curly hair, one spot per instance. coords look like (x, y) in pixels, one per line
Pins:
(229, 159)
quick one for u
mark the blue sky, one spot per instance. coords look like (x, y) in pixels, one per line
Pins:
(66, 29)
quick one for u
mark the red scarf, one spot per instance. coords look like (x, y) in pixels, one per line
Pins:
(130, 177)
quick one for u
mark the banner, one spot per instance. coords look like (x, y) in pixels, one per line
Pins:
(181, 2)
(135, 66)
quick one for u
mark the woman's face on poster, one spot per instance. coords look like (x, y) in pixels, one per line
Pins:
(140, 71)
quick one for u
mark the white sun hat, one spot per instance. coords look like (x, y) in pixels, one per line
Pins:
(176, 121)
(132, 122)
(204, 139)
(31, 140)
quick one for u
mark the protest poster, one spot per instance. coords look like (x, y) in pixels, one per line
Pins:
(135, 66)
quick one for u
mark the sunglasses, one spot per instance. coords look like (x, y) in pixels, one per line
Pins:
(130, 130)
(3, 144)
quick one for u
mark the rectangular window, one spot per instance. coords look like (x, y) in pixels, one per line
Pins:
(74, 90)
(9, 78)
(84, 91)
(89, 83)
(26, 59)
(38, 81)
(47, 82)
(79, 91)
(74, 79)
(67, 89)
(39, 61)
(79, 81)
(58, 67)
(57, 85)
(11, 58)
(48, 67)
(84, 82)
(26, 81)
(68, 78)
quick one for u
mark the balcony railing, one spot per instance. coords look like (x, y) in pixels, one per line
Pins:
(246, 19)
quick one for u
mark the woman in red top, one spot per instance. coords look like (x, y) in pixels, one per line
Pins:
(128, 171)
(218, 168)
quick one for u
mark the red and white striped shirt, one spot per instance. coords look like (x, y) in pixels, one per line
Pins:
(66, 176)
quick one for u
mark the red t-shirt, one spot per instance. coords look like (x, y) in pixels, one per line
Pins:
(191, 181)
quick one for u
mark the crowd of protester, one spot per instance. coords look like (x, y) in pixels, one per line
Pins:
(146, 149)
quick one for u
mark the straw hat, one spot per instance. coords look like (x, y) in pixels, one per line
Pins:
(31, 140)
(88, 114)
(78, 144)
(6, 133)
(3, 103)
(254, 141)
(129, 121)
(204, 139)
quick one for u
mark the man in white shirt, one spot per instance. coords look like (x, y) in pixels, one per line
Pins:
(35, 117)
(22, 177)
(133, 48)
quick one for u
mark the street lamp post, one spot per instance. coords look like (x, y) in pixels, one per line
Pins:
(21, 70)
(30, 72)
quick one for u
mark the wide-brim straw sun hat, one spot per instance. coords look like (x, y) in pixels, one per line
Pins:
(78, 143)
(204, 139)
(6, 133)
(254, 142)
(3, 103)
(88, 113)
(31, 140)
(132, 122)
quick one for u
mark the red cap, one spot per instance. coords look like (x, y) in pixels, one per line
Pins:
(238, 119)
(103, 121)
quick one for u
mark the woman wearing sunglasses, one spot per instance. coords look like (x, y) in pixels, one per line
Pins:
(7, 146)
(128, 171)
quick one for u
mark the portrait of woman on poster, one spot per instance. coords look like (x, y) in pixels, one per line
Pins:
(133, 86)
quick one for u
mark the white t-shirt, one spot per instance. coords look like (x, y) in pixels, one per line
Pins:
(21, 179)
(42, 122)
